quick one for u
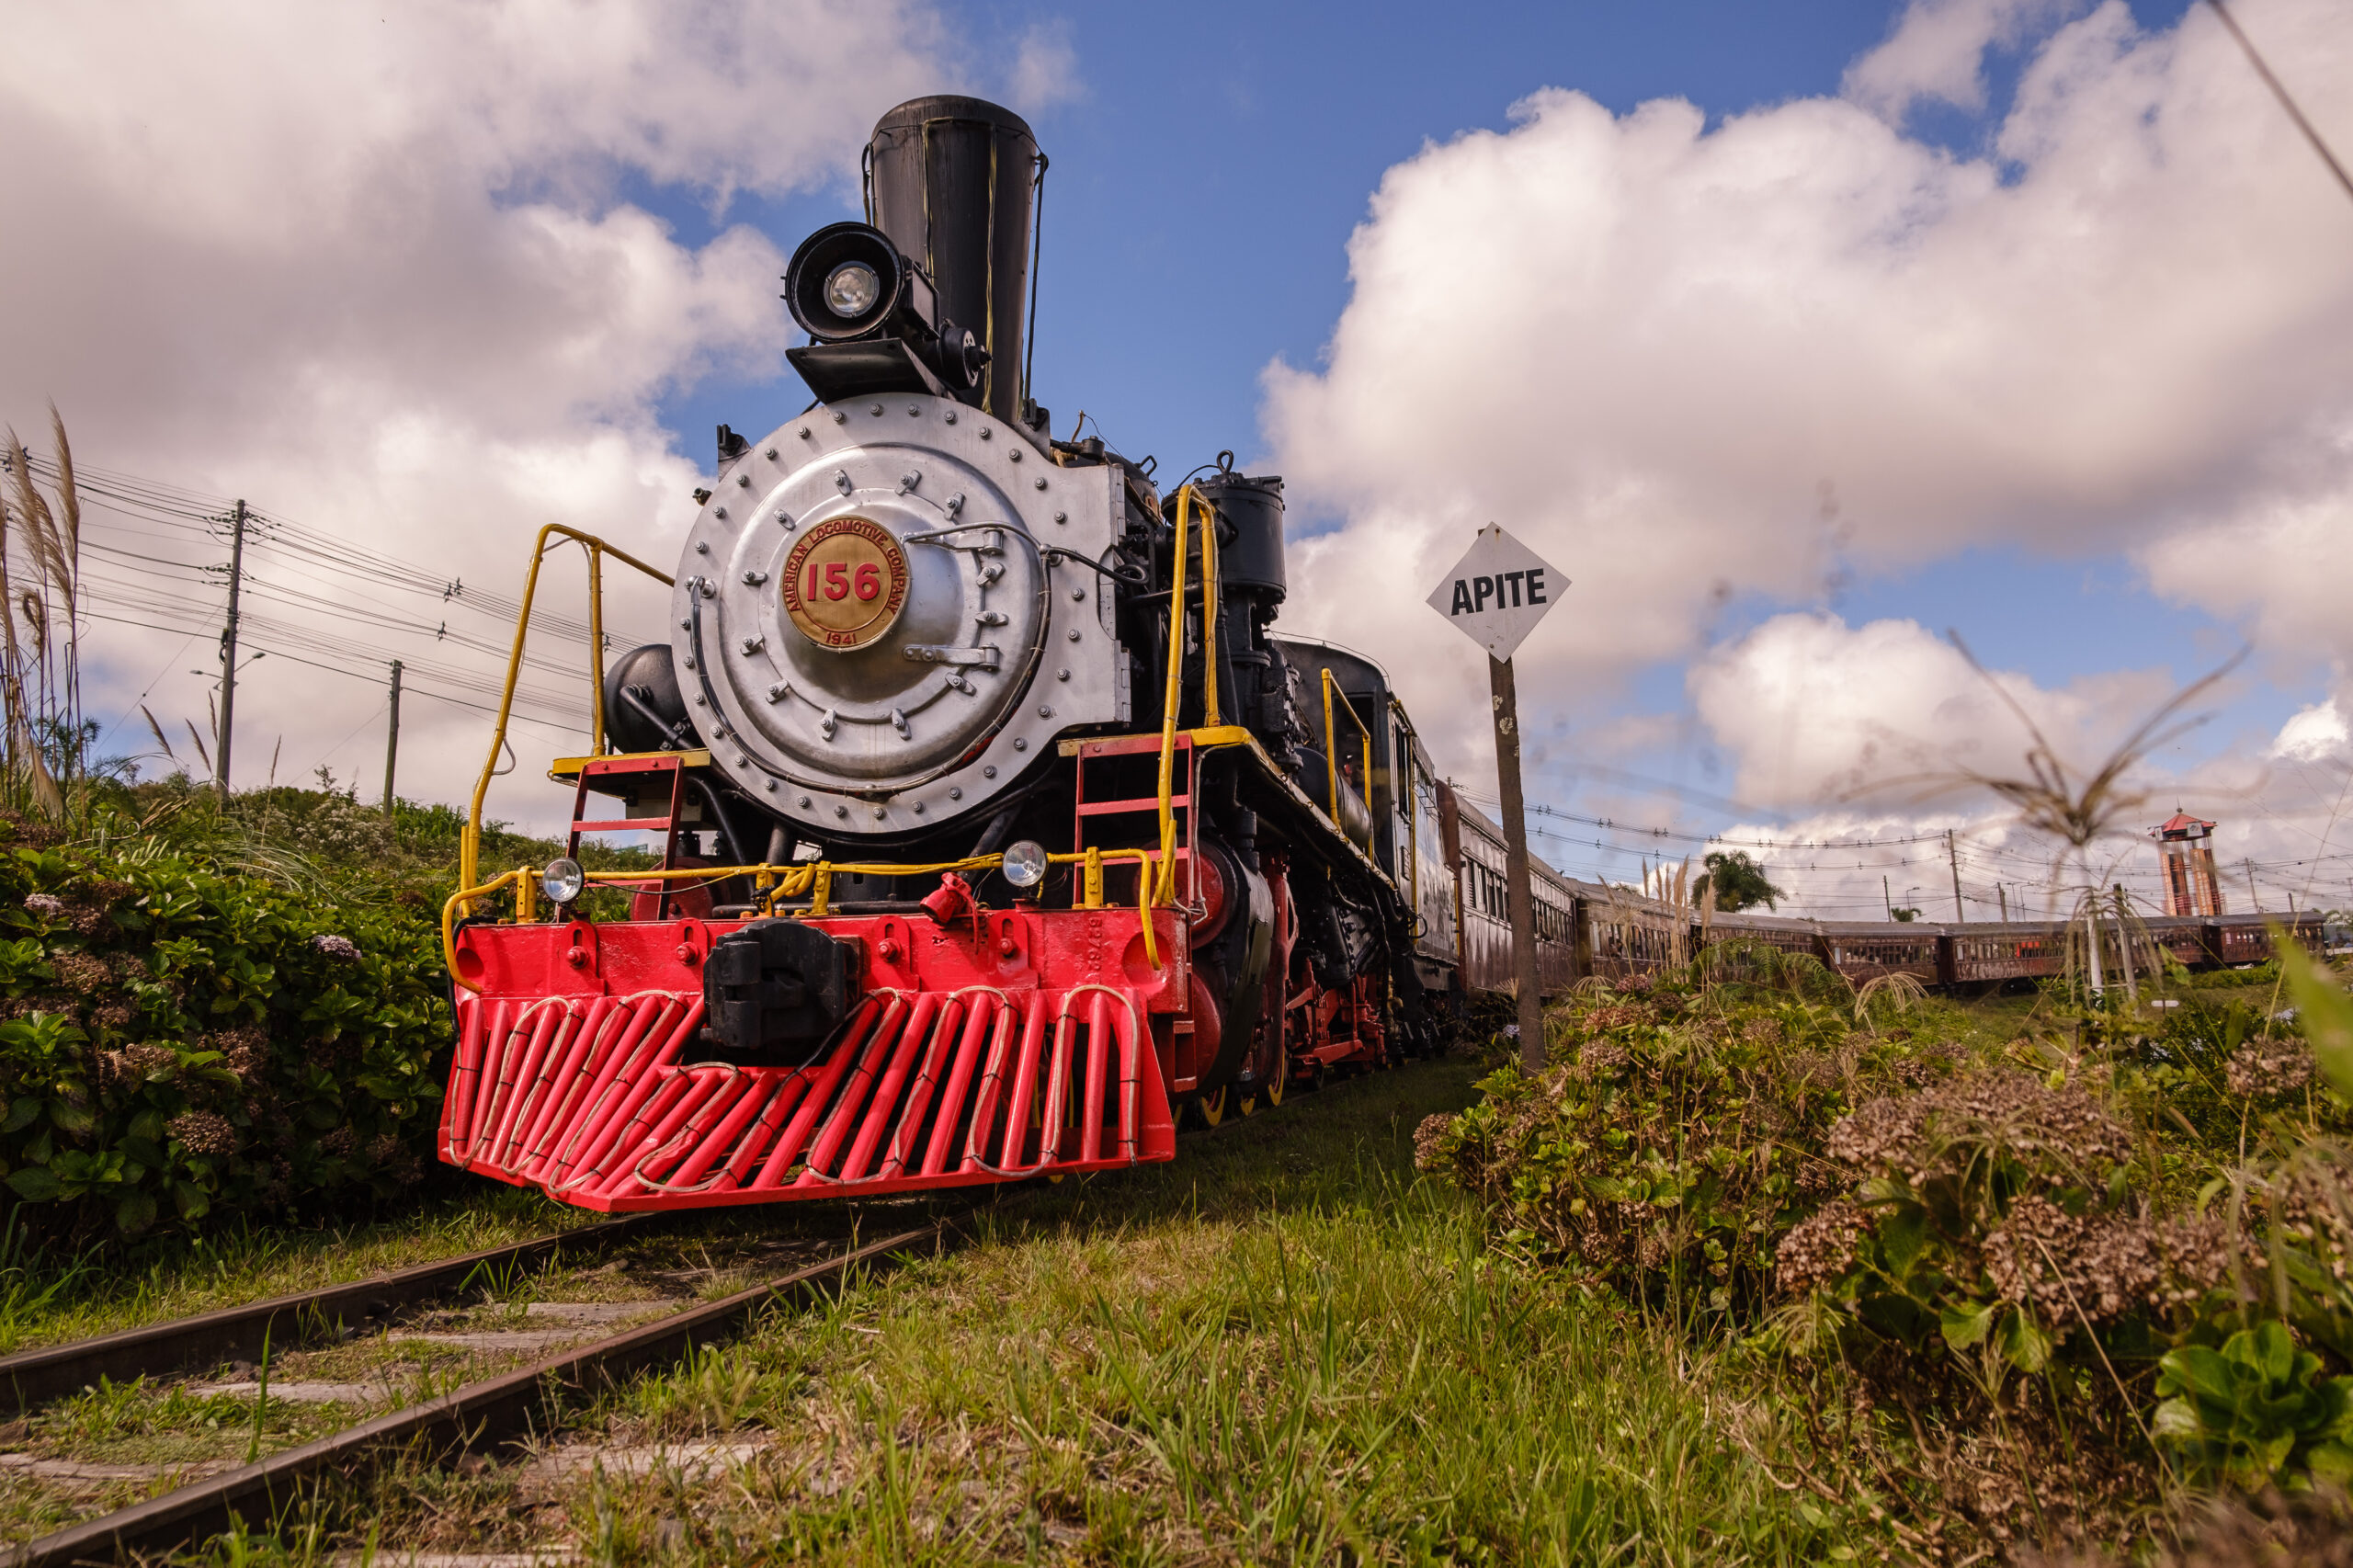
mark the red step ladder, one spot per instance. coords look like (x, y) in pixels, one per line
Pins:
(668, 824)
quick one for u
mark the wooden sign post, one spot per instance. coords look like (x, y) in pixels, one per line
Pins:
(1495, 594)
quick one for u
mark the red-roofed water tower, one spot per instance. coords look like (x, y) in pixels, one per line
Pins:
(2184, 842)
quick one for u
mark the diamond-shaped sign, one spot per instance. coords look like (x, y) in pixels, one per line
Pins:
(1497, 592)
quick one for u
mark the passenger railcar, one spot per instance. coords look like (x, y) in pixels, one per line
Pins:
(1586, 928)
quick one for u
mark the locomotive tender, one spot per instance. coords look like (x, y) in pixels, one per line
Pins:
(999, 827)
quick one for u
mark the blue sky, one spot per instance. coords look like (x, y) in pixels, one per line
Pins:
(2069, 349)
(1256, 134)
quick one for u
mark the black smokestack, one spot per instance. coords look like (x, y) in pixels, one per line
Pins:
(952, 182)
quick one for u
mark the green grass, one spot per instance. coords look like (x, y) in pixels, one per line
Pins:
(46, 1300)
(1285, 1347)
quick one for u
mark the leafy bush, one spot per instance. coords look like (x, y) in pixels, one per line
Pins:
(2026, 1275)
(2255, 1408)
(174, 1040)
(1678, 1139)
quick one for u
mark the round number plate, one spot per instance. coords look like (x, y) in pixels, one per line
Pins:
(845, 583)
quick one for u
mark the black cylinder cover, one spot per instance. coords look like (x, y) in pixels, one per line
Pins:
(953, 188)
(644, 709)
(1252, 562)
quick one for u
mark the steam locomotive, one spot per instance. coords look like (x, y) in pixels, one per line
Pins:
(999, 828)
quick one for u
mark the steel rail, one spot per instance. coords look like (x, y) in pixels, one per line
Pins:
(480, 1414)
(34, 1376)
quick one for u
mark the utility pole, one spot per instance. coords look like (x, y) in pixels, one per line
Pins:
(2124, 949)
(2092, 939)
(1504, 693)
(1495, 596)
(228, 657)
(2253, 891)
(2003, 894)
(1887, 896)
(392, 741)
(1960, 915)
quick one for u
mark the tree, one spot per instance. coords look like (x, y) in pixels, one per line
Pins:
(1738, 882)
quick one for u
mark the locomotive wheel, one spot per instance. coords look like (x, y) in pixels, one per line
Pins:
(1269, 1091)
(1210, 1109)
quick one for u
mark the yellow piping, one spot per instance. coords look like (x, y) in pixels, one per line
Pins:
(813, 878)
(469, 846)
(597, 652)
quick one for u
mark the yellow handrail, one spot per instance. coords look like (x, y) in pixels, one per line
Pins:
(469, 846)
(1408, 792)
(798, 878)
(1175, 686)
(1209, 586)
(1331, 758)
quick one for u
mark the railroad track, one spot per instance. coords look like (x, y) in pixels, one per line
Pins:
(477, 1416)
(33, 1378)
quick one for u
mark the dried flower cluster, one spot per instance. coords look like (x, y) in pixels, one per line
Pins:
(1601, 1058)
(202, 1132)
(244, 1050)
(1910, 1136)
(2267, 1069)
(80, 973)
(335, 946)
(1429, 1145)
(2100, 1266)
(134, 1064)
(46, 905)
(1818, 1248)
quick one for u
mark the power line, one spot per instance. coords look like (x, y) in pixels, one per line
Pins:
(2279, 92)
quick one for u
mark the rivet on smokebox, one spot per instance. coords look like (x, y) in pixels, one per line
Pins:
(686, 953)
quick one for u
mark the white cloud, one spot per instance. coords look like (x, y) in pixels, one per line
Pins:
(1937, 49)
(1682, 361)
(2312, 733)
(1815, 711)
(374, 270)
(1865, 733)
(1045, 70)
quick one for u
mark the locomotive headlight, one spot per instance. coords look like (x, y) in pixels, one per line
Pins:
(562, 881)
(852, 288)
(1025, 864)
(849, 280)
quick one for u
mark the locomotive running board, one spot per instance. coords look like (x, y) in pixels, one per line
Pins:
(587, 1099)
